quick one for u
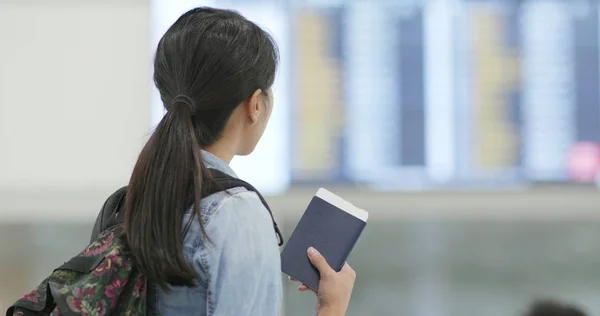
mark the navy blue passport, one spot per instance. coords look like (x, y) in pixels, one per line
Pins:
(332, 226)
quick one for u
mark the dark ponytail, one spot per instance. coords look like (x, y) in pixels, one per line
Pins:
(206, 64)
(167, 177)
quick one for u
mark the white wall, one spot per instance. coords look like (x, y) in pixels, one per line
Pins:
(76, 103)
(75, 82)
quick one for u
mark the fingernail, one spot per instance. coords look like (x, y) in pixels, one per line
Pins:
(312, 252)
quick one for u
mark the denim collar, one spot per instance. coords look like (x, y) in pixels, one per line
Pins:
(212, 161)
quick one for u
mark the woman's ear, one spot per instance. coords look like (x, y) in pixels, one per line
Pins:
(253, 106)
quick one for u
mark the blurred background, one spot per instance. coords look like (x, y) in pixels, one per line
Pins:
(469, 129)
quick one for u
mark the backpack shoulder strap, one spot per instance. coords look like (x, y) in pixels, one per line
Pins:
(223, 181)
(107, 216)
(110, 214)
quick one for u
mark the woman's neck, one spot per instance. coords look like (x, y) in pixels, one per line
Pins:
(221, 151)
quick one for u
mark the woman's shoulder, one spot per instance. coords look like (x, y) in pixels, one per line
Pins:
(230, 202)
(231, 219)
(240, 221)
(224, 212)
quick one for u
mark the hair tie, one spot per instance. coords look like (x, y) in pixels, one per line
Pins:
(182, 98)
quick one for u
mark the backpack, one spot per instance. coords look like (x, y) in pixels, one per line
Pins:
(102, 279)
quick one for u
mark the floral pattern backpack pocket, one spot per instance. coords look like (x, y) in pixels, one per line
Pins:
(100, 280)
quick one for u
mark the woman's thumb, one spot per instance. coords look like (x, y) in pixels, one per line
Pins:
(318, 261)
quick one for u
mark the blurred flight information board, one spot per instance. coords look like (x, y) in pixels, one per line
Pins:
(498, 99)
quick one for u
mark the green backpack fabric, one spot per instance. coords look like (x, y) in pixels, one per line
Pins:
(103, 279)
(100, 280)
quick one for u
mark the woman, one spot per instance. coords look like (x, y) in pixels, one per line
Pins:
(214, 70)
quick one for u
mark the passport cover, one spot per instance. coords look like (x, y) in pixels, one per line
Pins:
(332, 226)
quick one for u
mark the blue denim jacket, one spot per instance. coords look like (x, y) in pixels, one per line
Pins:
(239, 273)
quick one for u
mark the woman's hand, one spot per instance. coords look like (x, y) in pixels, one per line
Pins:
(335, 288)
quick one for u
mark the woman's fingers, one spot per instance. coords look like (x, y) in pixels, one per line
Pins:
(304, 288)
